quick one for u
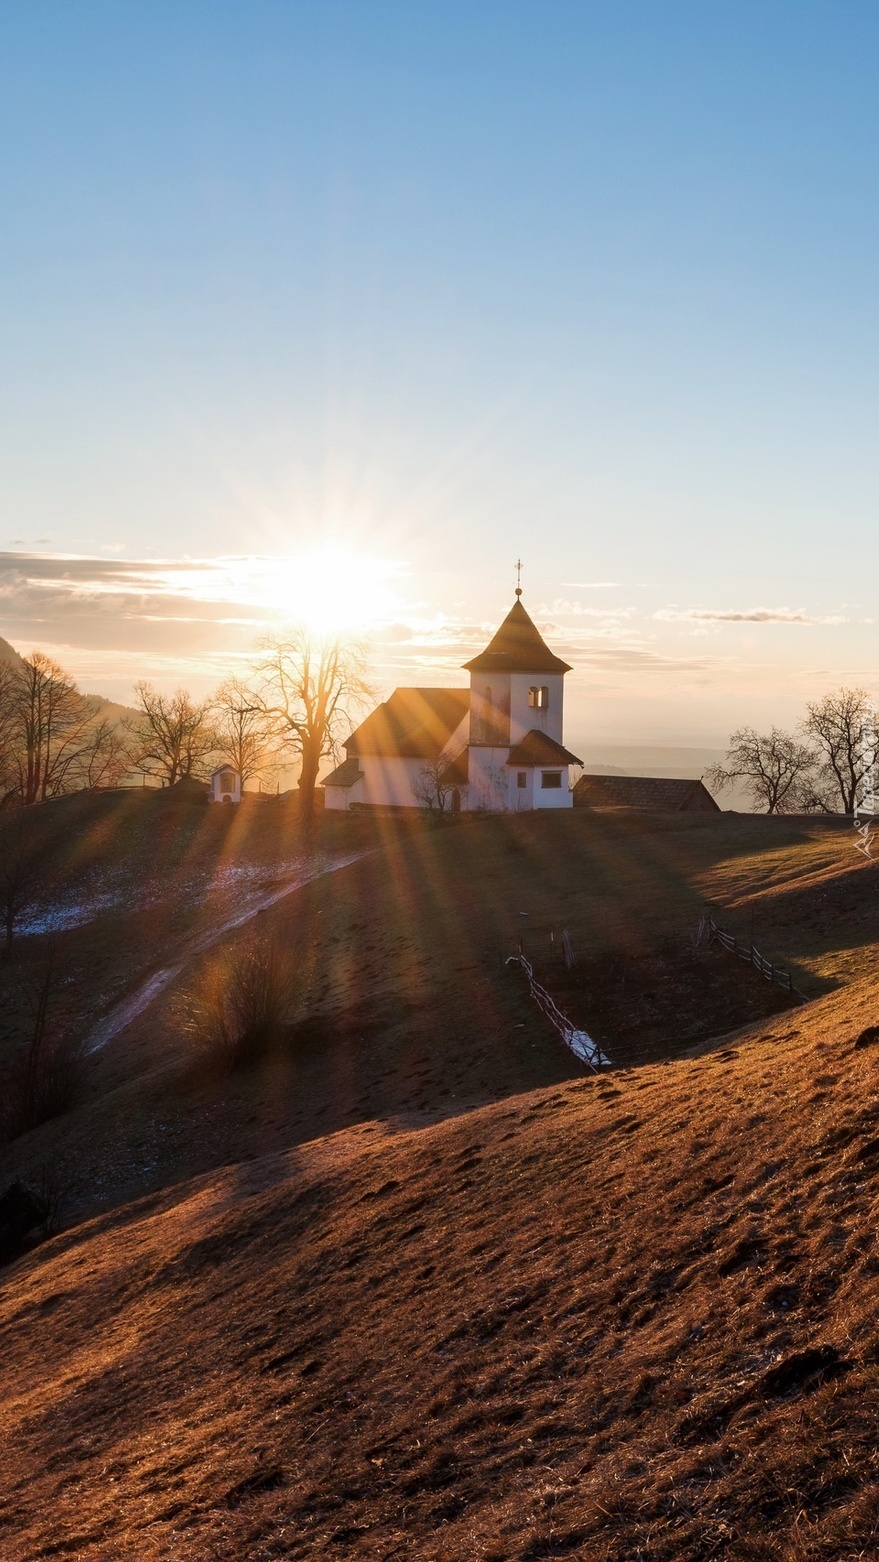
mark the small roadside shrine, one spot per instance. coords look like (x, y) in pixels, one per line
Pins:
(226, 785)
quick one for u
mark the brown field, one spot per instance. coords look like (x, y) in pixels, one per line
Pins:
(426, 1289)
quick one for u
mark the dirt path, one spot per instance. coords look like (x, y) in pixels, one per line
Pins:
(130, 1008)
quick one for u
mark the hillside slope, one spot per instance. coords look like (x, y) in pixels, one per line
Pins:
(622, 1317)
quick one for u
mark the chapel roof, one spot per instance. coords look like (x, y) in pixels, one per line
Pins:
(411, 724)
(537, 748)
(518, 647)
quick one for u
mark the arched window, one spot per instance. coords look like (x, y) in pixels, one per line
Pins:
(538, 698)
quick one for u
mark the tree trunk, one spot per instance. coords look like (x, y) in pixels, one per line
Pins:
(307, 784)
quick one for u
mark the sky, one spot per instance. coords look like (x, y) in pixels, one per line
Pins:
(341, 308)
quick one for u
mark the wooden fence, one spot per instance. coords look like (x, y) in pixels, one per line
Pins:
(747, 951)
(579, 1041)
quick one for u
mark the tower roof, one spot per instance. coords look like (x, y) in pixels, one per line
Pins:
(518, 647)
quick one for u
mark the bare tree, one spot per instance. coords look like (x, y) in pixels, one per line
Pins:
(8, 727)
(841, 726)
(774, 768)
(50, 722)
(172, 736)
(103, 758)
(435, 785)
(53, 739)
(244, 730)
(309, 688)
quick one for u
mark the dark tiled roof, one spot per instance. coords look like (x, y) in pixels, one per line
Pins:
(666, 793)
(537, 749)
(458, 772)
(518, 647)
(345, 774)
(412, 724)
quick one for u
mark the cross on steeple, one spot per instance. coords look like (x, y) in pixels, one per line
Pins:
(518, 577)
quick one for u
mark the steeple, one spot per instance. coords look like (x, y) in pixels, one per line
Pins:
(518, 647)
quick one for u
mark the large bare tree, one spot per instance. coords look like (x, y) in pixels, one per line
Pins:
(172, 736)
(310, 689)
(246, 736)
(841, 725)
(773, 767)
(53, 739)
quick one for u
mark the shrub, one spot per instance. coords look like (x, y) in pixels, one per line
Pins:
(236, 1013)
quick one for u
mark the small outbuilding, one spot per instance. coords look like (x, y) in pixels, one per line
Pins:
(660, 793)
(226, 785)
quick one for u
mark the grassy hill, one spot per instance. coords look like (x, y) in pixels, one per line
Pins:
(425, 1287)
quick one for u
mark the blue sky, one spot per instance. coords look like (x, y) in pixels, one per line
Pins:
(439, 284)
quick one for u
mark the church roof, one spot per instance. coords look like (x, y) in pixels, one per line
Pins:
(518, 647)
(412, 724)
(536, 748)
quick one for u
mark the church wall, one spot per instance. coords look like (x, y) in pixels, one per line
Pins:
(389, 780)
(524, 717)
(489, 779)
(338, 796)
(561, 797)
(489, 708)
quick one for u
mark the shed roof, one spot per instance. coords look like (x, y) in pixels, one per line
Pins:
(412, 724)
(518, 647)
(345, 774)
(538, 749)
(668, 793)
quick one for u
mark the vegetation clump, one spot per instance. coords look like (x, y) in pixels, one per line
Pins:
(236, 1013)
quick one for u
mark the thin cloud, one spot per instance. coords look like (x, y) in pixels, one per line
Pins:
(562, 607)
(754, 615)
(592, 585)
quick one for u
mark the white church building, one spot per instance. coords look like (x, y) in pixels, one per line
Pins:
(497, 746)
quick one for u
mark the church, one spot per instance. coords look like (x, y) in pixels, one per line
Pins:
(495, 746)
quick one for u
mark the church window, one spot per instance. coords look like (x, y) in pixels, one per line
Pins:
(551, 780)
(521, 779)
(538, 699)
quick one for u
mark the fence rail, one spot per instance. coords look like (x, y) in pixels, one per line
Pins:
(579, 1041)
(747, 951)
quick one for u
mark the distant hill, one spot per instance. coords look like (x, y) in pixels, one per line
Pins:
(8, 652)
(111, 709)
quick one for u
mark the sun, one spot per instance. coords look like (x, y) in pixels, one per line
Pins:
(331, 591)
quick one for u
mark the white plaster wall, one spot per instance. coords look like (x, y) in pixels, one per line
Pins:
(562, 797)
(342, 796)
(499, 684)
(389, 781)
(489, 780)
(520, 802)
(523, 718)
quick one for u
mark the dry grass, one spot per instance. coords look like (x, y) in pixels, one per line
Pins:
(616, 1318)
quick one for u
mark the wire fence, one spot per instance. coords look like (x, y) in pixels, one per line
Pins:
(579, 1041)
(748, 952)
